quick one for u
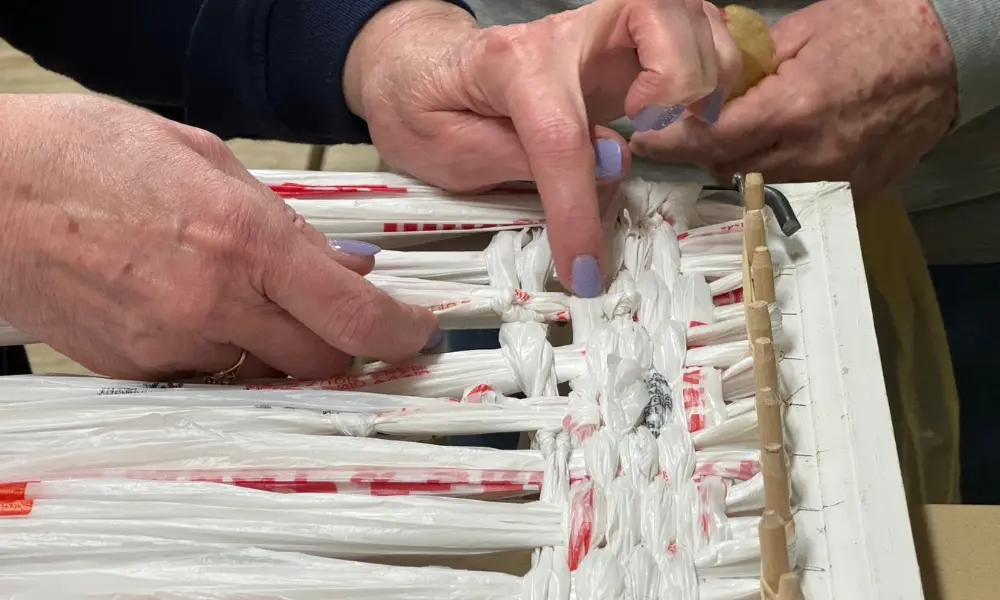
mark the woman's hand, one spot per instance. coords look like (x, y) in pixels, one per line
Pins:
(142, 248)
(863, 90)
(465, 108)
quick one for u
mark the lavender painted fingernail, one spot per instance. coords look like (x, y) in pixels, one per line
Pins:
(608, 155)
(655, 118)
(586, 276)
(355, 247)
(433, 341)
(711, 108)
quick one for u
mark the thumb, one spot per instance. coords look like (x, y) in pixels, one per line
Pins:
(341, 307)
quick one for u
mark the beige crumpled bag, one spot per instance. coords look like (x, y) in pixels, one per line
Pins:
(916, 362)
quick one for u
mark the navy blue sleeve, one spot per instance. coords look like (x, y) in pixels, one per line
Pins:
(264, 69)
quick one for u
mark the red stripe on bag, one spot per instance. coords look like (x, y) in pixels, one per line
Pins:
(16, 508)
(12, 492)
(293, 190)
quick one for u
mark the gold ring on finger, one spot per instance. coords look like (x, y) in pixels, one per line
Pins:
(227, 376)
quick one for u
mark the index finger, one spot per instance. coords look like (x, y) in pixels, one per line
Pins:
(551, 120)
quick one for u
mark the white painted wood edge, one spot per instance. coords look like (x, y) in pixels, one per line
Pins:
(853, 528)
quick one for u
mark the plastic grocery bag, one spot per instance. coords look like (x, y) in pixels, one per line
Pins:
(114, 567)
(916, 362)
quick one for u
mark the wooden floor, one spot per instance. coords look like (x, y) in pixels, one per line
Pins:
(19, 74)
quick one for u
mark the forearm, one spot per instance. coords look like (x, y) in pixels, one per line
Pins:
(291, 56)
(430, 17)
(309, 43)
(972, 28)
(267, 69)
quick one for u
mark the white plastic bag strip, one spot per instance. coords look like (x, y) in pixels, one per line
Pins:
(470, 268)
(450, 373)
(458, 267)
(335, 525)
(171, 439)
(411, 212)
(157, 447)
(160, 448)
(704, 251)
(57, 403)
(63, 391)
(468, 306)
(57, 392)
(730, 330)
(417, 420)
(84, 417)
(440, 375)
(111, 566)
(122, 566)
(727, 285)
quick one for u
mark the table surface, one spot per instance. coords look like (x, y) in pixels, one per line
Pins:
(959, 551)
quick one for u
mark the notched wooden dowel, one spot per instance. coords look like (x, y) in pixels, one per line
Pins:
(765, 364)
(776, 490)
(773, 549)
(753, 191)
(769, 423)
(762, 274)
(790, 587)
(754, 233)
(758, 320)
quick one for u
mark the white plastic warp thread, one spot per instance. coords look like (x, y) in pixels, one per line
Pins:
(640, 524)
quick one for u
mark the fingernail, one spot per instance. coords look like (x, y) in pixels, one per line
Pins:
(355, 247)
(433, 341)
(712, 107)
(655, 118)
(609, 158)
(586, 277)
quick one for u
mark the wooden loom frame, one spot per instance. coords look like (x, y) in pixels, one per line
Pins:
(848, 518)
(777, 529)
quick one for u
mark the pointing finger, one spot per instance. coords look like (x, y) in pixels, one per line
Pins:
(551, 120)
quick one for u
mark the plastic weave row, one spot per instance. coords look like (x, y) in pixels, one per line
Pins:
(642, 479)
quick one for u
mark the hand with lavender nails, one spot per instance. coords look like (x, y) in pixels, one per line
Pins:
(859, 91)
(466, 108)
(151, 251)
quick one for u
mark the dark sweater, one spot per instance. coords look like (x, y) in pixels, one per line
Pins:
(263, 69)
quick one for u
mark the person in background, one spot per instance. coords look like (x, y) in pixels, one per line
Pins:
(137, 245)
(876, 93)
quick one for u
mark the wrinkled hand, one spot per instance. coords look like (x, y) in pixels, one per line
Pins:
(465, 108)
(142, 248)
(863, 90)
